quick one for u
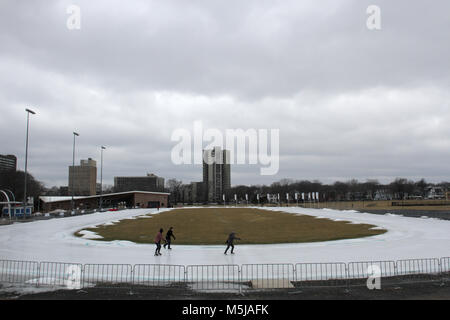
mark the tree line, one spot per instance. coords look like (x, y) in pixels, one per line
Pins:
(14, 181)
(399, 189)
(351, 190)
(371, 189)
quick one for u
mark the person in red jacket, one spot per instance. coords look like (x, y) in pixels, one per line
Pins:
(158, 239)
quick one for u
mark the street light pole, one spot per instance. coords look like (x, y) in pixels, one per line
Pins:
(101, 179)
(73, 168)
(26, 161)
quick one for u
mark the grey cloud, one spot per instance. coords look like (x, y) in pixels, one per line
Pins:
(252, 49)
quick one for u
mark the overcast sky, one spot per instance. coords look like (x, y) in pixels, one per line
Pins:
(349, 102)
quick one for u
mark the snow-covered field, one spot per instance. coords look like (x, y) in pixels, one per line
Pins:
(53, 240)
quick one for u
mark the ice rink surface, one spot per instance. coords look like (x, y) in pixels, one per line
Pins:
(53, 240)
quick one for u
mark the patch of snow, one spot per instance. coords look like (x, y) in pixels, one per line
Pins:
(86, 234)
(218, 287)
(53, 240)
(24, 289)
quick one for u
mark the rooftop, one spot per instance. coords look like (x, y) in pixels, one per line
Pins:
(65, 198)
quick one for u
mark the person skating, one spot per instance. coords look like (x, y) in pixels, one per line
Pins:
(169, 236)
(158, 239)
(230, 242)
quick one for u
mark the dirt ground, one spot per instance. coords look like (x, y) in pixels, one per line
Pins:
(406, 291)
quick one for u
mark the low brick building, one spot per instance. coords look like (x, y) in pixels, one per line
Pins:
(132, 199)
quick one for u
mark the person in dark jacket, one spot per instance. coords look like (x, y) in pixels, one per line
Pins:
(230, 242)
(169, 236)
(158, 239)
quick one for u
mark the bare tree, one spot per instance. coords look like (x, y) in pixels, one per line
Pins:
(174, 186)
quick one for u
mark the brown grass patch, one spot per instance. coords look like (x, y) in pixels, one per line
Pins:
(211, 226)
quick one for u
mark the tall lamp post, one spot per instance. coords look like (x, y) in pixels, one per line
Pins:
(26, 161)
(73, 168)
(101, 178)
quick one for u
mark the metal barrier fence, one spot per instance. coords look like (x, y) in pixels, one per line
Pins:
(419, 269)
(445, 268)
(158, 274)
(358, 272)
(213, 277)
(445, 265)
(221, 277)
(268, 276)
(59, 274)
(18, 271)
(106, 275)
(321, 274)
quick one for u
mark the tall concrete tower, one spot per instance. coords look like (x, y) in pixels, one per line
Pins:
(216, 173)
(83, 178)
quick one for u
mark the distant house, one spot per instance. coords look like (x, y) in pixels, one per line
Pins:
(272, 198)
(382, 194)
(435, 192)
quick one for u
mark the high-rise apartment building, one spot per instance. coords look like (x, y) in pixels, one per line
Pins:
(216, 173)
(8, 162)
(83, 178)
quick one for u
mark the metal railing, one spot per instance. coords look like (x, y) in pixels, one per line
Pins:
(359, 270)
(107, 275)
(321, 274)
(268, 276)
(58, 274)
(213, 277)
(157, 275)
(221, 277)
(18, 271)
(419, 269)
(445, 268)
(445, 265)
